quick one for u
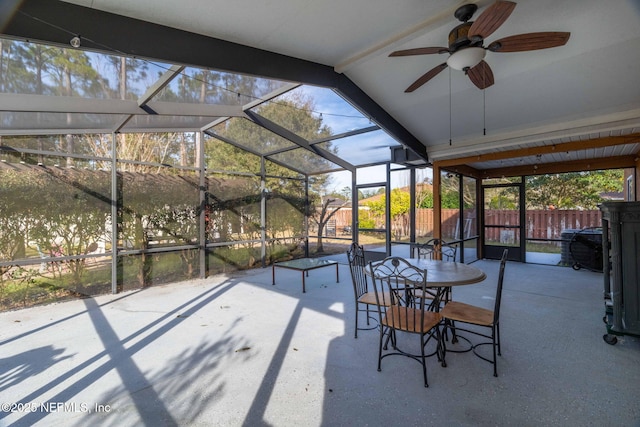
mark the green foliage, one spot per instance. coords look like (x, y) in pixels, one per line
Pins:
(61, 212)
(575, 190)
(226, 157)
(285, 215)
(450, 200)
(425, 200)
(400, 204)
(376, 207)
(399, 208)
(502, 201)
(286, 201)
(293, 114)
(233, 208)
(365, 219)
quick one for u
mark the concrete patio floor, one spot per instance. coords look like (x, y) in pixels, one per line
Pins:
(235, 350)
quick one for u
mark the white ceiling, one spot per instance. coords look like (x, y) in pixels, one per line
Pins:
(587, 87)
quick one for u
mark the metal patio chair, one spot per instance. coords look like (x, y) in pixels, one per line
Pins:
(478, 317)
(364, 298)
(394, 281)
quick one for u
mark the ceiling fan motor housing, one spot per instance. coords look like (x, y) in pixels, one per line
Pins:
(458, 37)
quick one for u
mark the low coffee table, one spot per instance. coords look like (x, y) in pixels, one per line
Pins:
(303, 265)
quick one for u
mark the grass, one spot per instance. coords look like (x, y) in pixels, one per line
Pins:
(25, 287)
(546, 248)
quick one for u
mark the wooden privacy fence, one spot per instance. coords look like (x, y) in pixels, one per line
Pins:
(549, 224)
(539, 223)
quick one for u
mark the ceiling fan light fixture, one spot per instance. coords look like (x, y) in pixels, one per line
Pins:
(467, 58)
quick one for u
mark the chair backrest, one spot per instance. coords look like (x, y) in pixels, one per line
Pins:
(448, 252)
(357, 265)
(438, 248)
(496, 308)
(394, 282)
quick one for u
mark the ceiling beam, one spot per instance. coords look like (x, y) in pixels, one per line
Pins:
(545, 149)
(56, 22)
(13, 102)
(462, 169)
(160, 84)
(298, 140)
(64, 104)
(433, 19)
(287, 87)
(345, 135)
(348, 90)
(164, 108)
(562, 167)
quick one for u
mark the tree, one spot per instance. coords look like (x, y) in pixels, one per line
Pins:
(400, 206)
(64, 212)
(575, 190)
(294, 113)
(15, 190)
(322, 218)
(424, 196)
(161, 208)
(344, 193)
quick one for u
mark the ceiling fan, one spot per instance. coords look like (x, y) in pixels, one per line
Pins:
(466, 50)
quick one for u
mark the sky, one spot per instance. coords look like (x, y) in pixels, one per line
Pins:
(340, 116)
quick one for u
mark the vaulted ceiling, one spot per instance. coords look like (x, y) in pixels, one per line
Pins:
(559, 97)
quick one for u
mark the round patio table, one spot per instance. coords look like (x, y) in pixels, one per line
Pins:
(443, 275)
(447, 274)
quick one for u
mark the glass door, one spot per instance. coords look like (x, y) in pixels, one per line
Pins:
(371, 226)
(502, 221)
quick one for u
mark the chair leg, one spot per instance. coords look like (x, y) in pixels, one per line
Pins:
(380, 349)
(495, 360)
(367, 310)
(498, 338)
(447, 324)
(390, 337)
(441, 347)
(423, 360)
(452, 326)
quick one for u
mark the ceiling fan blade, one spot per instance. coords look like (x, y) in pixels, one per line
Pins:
(426, 77)
(529, 41)
(491, 19)
(420, 51)
(481, 75)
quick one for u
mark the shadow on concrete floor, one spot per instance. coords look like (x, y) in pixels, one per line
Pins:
(235, 350)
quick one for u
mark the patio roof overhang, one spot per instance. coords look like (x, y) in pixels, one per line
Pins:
(609, 152)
